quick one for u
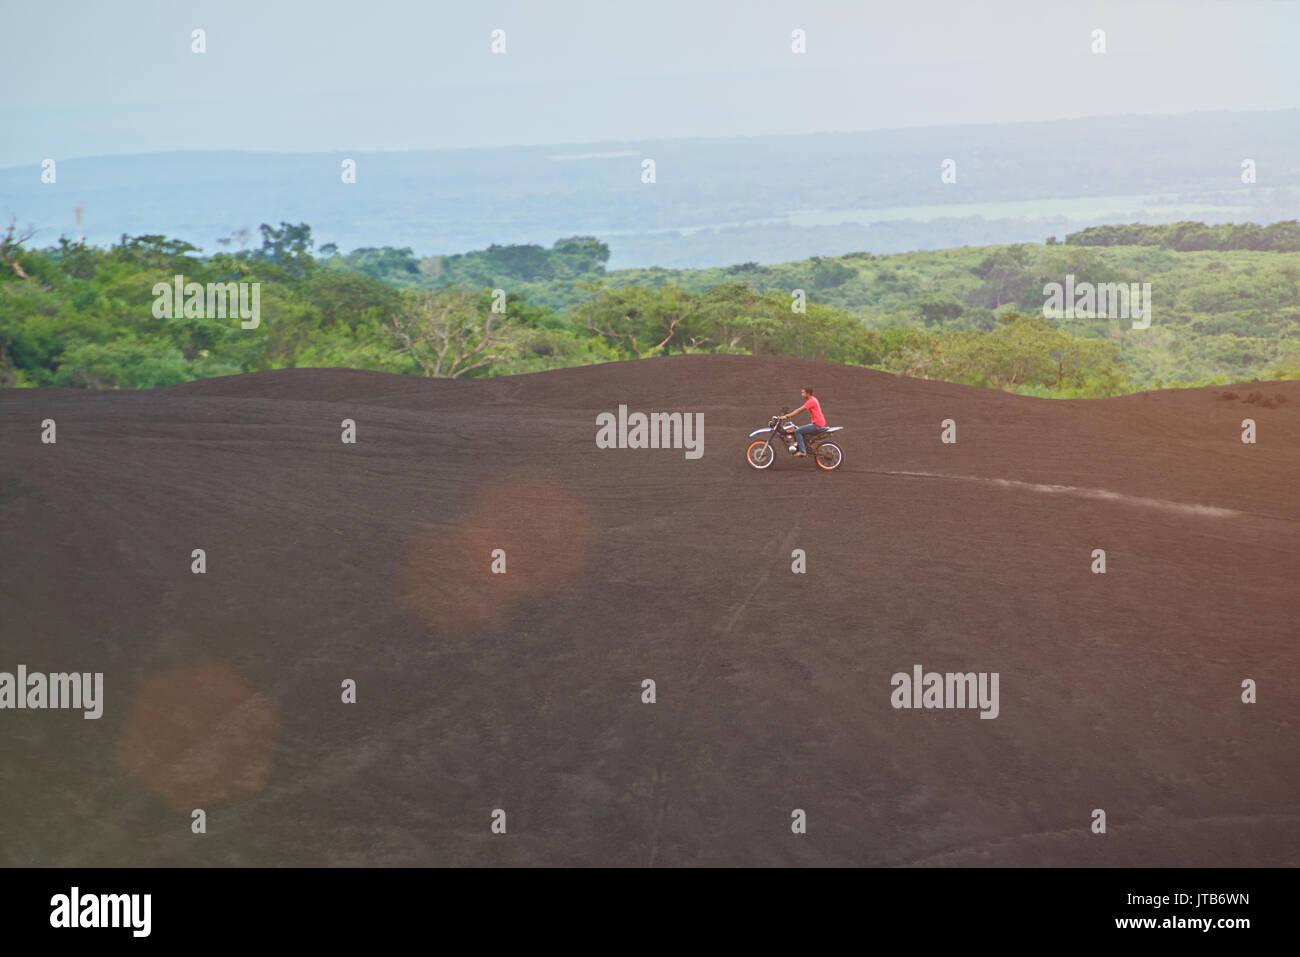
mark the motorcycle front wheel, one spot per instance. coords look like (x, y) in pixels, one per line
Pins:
(760, 454)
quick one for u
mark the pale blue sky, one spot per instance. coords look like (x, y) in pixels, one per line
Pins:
(88, 77)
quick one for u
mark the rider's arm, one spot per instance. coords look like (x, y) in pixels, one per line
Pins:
(791, 415)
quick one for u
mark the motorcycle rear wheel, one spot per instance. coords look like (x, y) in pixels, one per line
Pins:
(829, 456)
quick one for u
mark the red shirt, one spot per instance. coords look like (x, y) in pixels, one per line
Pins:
(815, 410)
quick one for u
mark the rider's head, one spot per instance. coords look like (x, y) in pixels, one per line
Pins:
(807, 391)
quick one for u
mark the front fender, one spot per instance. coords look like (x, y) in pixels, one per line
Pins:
(759, 432)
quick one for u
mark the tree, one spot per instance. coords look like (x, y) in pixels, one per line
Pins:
(154, 251)
(581, 255)
(938, 308)
(386, 263)
(11, 247)
(1283, 236)
(348, 298)
(449, 336)
(289, 246)
(829, 273)
(640, 321)
(1005, 274)
(527, 262)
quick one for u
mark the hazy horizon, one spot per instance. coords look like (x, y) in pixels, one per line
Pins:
(400, 76)
(780, 130)
(647, 139)
(716, 200)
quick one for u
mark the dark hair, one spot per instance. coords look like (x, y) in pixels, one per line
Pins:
(809, 390)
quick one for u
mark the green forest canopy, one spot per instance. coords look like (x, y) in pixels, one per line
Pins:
(1225, 307)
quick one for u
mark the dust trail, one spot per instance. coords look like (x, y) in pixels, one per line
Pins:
(1208, 511)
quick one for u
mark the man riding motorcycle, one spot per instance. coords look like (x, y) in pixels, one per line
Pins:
(814, 410)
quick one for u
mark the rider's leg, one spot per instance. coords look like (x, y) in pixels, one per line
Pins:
(799, 434)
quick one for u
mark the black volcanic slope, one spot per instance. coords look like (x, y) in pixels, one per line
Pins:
(523, 691)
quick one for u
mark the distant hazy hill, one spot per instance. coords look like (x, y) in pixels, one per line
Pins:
(714, 203)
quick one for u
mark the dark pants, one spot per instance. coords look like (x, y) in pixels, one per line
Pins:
(803, 430)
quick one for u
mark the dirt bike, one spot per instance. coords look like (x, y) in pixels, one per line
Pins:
(762, 453)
